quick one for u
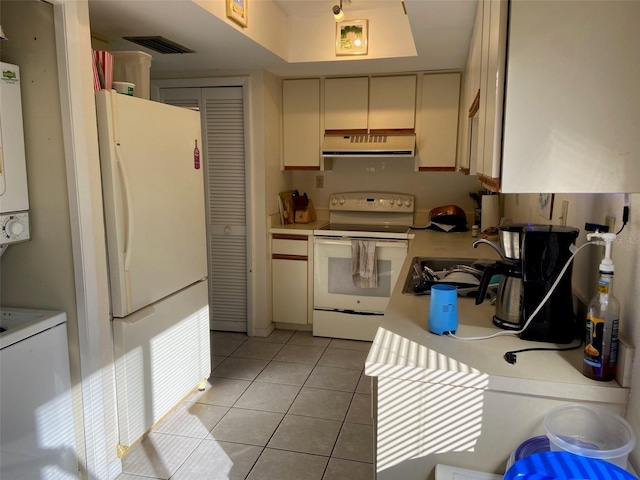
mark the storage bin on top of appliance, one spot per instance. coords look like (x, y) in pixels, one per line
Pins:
(133, 67)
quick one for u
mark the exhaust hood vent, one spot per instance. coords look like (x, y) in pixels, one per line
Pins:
(369, 145)
(159, 44)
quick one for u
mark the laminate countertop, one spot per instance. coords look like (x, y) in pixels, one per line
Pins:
(404, 348)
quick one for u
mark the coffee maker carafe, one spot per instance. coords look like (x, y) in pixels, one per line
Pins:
(532, 258)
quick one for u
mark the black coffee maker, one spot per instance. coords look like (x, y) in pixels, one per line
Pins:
(532, 258)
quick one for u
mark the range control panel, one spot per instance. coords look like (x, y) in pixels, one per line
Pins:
(14, 228)
(372, 202)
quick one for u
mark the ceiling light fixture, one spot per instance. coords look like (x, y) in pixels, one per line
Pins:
(338, 13)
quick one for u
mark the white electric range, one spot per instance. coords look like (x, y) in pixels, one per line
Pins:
(345, 306)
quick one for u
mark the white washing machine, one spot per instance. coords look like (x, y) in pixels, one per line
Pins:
(37, 439)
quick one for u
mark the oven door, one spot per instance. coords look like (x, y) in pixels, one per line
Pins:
(333, 285)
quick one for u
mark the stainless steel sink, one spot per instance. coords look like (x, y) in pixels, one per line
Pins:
(463, 273)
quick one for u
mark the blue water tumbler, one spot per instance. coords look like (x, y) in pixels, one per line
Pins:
(443, 309)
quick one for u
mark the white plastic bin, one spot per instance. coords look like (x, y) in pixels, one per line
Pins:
(133, 67)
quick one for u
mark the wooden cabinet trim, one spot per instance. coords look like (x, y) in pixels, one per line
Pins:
(279, 256)
(492, 184)
(289, 236)
(436, 169)
(475, 105)
(291, 167)
(392, 131)
(353, 131)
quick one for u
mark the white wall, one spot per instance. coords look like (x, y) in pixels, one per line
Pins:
(45, 272)
(626, 257)
(267, 181)
(39, 273)
(432, 189)
(312, 39)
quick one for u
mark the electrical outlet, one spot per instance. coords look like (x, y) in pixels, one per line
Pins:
(610, 221)
(319, 181)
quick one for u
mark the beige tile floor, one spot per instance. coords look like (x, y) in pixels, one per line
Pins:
(287, 407)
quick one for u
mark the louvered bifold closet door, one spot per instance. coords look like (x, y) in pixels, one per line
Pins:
(225, 157)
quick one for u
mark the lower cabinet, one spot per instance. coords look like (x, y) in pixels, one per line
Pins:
(290, 279)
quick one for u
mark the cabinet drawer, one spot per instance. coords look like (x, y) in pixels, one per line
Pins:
(289, 245)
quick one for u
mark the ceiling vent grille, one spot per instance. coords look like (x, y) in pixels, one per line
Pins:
(159, 44)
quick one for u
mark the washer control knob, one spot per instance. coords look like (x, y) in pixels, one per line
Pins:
(334, 201)
(14, 228)
(407, 202)
(342, 200)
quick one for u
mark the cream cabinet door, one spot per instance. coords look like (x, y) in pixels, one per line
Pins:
(290, 279)
(392, 103)
(301, 123)
(572, 113)
(437, 134)
(470, 101)
(346, 104)
(494, 45)
(289, 291)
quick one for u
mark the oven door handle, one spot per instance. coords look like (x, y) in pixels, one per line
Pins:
(347, 241)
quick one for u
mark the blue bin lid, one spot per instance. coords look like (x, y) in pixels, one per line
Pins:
(565, 466)
(533, 445)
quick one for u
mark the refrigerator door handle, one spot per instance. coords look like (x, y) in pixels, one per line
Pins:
(128, 210)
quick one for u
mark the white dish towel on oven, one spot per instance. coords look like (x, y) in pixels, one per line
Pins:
(364, 264)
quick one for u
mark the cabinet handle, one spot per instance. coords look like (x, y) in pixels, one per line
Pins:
(285, 236)
(278, 256)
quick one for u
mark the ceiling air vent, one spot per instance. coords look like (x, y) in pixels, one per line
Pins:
(159, 44)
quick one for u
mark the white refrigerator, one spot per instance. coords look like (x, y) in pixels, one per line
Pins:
(154, 208)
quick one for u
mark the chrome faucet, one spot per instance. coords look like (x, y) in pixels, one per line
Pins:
(491, 244)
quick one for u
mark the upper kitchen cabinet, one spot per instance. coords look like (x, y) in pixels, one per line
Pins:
(470, 101)
(346, 105)
(370, 104)
(572, 119)
(392, 104)
(301, 124)
(488, 143)
(437, 124)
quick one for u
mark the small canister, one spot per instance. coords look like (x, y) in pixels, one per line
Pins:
(475, 231)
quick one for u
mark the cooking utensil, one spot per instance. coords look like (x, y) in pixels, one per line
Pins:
(288, 210)
(281, 210)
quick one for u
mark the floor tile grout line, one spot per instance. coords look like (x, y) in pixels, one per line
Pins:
(188, 456)
(281, 420)
(301, 387)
